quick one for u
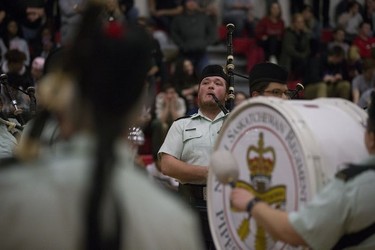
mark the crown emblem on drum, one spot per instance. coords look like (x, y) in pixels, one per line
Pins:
(261, 160)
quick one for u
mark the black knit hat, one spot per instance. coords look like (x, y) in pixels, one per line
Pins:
(214, 70)
(267, 72)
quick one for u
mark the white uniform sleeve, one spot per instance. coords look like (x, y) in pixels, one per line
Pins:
(173, 143)
(320, 223)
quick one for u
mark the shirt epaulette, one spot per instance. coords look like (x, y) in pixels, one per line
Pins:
(195, 115)
(183, 117)
(352, 171)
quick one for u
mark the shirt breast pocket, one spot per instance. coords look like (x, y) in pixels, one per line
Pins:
(197, 146)
(192, 135)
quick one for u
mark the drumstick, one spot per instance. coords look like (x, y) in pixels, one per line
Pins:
(225, 167)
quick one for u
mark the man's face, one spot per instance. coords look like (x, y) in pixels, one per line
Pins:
(211, 85)
(275, 89)
(299, 23)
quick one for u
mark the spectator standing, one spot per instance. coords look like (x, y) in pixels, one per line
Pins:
(193, 32)
(295, 50)
(70, 16)
(164, 11)
(313, 27)
(269, 32)
(240, 13)
(210, 8)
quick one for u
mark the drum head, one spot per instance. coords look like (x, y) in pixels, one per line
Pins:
(279, 159)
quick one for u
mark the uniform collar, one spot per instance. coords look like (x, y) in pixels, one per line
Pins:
(200, 114)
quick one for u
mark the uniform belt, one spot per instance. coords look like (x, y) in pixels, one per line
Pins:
(193, 192)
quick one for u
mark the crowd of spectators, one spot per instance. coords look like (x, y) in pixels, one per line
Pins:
(331, 60)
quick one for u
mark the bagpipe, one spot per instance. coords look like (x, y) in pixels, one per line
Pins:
(230, 70)
(11, 92)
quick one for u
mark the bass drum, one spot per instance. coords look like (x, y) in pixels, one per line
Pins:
(286, 151)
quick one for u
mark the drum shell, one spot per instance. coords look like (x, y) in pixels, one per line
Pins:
(310, 140)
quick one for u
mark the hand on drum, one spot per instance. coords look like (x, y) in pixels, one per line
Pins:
(240, 198)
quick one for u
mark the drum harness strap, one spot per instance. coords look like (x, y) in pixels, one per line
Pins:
(356, 238)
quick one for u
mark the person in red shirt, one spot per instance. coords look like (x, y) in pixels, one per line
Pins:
(364, 41)
(269, 31)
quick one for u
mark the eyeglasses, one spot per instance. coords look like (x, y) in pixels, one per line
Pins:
(279, 92)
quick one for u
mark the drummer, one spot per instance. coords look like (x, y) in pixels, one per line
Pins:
(90, 195)
(341, 216)
(269, 79)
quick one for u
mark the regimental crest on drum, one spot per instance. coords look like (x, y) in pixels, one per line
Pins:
(261, 162)
(271, 165)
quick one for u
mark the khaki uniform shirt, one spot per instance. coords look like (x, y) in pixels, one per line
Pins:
(192, 139)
